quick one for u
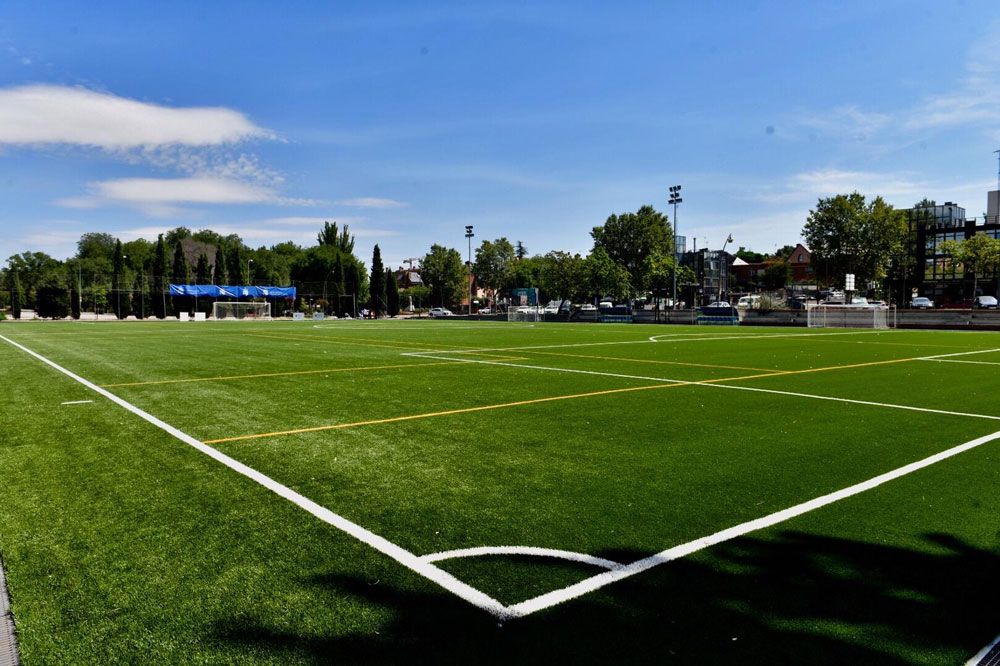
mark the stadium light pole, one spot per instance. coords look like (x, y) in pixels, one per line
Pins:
(249, 280)
(675, 198)
(469, 235)
(722, 259)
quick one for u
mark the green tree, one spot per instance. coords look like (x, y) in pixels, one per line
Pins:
(776, 275)
(606, 277)
(564, 276)
(120, 298)
(140, 294)
(181, 274)
(17, 295)
(443, 272)
(629, 238)
(161, 267)
(848, 235)
(658, 270)
(52, 298)
(377, 283)
(202, 274)
(493, 265)
(977, 255)
(520, 251)
(343, 240)
(391, 294)
(219, 270)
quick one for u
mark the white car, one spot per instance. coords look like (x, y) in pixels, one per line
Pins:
(587, 307)
(439, 312)
(720, 304)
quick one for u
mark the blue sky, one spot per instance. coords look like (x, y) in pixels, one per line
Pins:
(533, 121)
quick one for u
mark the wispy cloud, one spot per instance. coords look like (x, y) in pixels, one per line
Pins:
(48, 114)
(160, 197)
(372, 202)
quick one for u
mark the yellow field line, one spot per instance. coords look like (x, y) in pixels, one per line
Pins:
(519, 403)
(276, 374)
(464, 410)
(644, 360)
(329, 341)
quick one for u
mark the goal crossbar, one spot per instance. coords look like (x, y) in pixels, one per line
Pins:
(847, 316)
(235, 310)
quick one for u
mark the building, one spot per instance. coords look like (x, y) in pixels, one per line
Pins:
(934, 274)
(408, 277)
(711, 268)
(800, 269)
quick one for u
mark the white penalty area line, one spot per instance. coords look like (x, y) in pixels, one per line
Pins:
(76, 402)
(717, 383)
(606, 578)
(949, 358)
(662, 338)
(404, 557)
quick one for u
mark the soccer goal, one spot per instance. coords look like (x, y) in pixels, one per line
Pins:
(241, 310)
(524, 313)
(847, 316)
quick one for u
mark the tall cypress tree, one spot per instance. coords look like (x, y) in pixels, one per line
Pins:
(391, 293)
(234, 265)
(139, 294)
(181, 274)
(159, 278)
(119, 300)
(17, 296)
(219, 278)
(377, 283)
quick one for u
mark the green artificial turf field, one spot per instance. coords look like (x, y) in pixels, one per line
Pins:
(284, 492)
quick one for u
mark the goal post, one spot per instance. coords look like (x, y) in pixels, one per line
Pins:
(847, 316)
(235, 310)
(531, 313)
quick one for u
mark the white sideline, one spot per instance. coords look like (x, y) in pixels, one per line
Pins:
(600, 580)
(956, 360)
(967, 353)
(715, 384)
(690, 337)
(523, 550)
(404, 557)
(975, 661)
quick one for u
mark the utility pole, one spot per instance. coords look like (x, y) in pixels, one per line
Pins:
(675, 198)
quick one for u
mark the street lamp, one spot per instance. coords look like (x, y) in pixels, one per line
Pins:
(469, 235)
(249, 280)
(675, 198)
(722, 264)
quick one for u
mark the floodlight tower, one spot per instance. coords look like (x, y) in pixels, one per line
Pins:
(675, 198)
(998, 168)
(469, 235)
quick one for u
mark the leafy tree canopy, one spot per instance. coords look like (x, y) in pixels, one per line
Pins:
(629, 238)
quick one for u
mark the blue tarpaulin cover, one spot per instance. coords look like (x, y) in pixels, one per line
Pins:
(225, 291)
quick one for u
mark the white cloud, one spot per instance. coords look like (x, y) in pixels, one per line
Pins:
(48, 114)
(159, 196)
(372, 202)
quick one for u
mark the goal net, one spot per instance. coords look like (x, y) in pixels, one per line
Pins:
(241, 310)
(847, 316)
(524, 313)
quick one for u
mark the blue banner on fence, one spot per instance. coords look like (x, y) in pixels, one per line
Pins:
(215, 291)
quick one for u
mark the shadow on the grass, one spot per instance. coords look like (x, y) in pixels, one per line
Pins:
(797, 599)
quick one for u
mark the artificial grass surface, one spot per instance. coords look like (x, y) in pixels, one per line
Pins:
(124, 545)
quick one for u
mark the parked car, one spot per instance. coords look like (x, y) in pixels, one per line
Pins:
(439, 312)
(587, 307)
(985, 303)
(957, 305)
(922, 303)
(748, 302)
(485, 311)
(719, 304)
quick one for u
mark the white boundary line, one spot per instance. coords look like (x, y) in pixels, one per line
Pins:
(955, 360)
(714, 384)
(76, 402)
(982, 653)
(967, 353)
(533, 551)
(600, 580)
(404, 557)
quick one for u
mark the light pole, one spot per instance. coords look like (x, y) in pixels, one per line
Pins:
(249, 280)
(723, 265)
(675, 198)
(469, 235)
